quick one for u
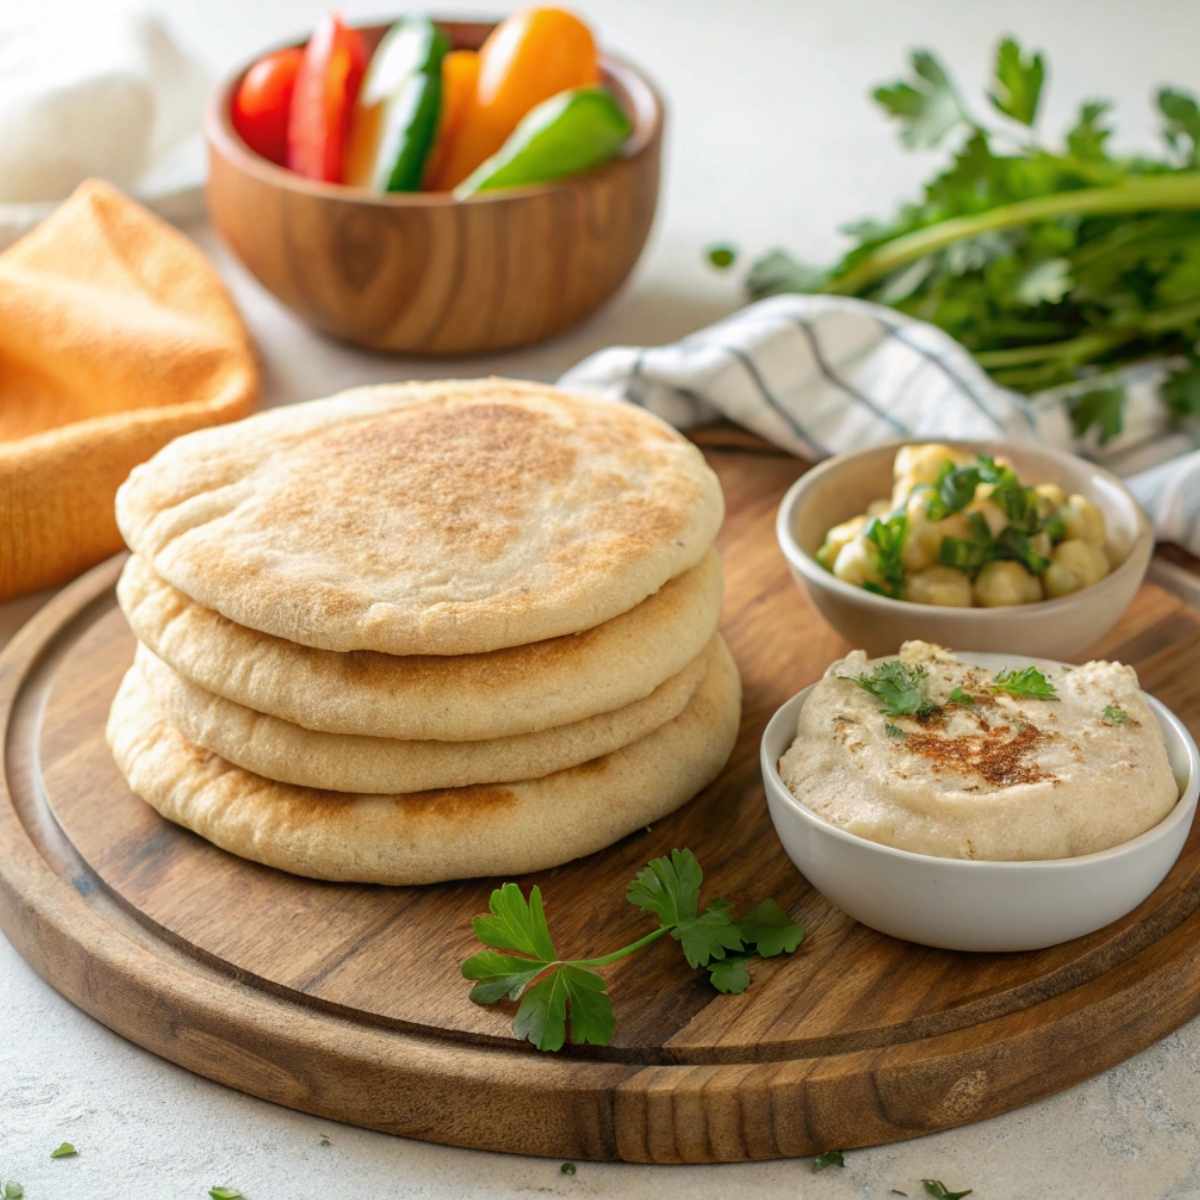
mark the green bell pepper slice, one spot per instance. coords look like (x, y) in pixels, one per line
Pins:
(571, 132)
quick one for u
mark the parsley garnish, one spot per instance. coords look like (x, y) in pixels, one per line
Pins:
(831, 1158)
(938, 1190)
(1113, 715)
(66, 1150)
(721, 255)
(888, 536)
(1048, 255)
(567, 1168)
(558, 996)
(893, 731)
(953, 490)
(899, 688)
(958, 696)
(1029, 682)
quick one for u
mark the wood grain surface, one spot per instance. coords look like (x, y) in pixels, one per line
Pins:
(346, 1000)
(422, 273)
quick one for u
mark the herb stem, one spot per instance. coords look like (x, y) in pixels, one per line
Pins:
(1181, 191)
(625, 951)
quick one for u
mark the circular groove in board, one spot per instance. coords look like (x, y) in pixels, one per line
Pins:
(867, 1039)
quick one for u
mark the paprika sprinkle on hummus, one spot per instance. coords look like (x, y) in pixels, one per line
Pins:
(927, 752)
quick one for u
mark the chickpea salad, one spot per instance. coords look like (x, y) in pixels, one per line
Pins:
(963, 530)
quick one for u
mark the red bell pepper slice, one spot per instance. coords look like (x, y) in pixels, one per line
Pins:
(330, 75)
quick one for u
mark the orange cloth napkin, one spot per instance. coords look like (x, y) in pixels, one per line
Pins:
(116, 335)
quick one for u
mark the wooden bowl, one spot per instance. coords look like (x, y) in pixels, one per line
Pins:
(423, 273)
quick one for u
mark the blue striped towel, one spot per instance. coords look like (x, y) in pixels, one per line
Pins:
(821, 375)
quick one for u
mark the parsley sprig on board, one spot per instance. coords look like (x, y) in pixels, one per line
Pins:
(1029, 683)
(567, 999)
(1050, 259)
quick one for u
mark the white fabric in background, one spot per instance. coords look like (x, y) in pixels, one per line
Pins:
(822, 375)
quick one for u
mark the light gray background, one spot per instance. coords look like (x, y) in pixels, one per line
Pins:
(771, 140)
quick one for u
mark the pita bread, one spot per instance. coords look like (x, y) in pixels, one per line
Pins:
(470, 698)
(290, 754)
(426, 837)
(426, 518)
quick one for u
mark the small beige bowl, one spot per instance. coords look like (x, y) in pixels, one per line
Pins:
(843, 486)
(974, 904)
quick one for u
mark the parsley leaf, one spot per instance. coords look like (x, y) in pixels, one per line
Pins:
(66, 1150)
(894, 731)
(953, 490)
(1181, 390)
(225, 1193)
(928, 108)
(887, 535)
(1087, 137)
(1181, 125)
(668, 887)
(561, 998)
(1114, 715)
(770, 930)
(568, 1168)
(958, 696)
(721, 255)
(1014, 545)
(571, 990)
(899, 688)
(1102, 409)
(1028, 682)
(831, 1158)
(938, 1190)
(13, 1190)
(1018, 82)
(730, 975)
(515, 923)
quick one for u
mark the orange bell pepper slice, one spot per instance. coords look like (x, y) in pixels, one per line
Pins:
(533, 55)
(460, 77)
(319, 124)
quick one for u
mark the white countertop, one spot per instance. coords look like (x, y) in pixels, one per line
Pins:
(771, 140)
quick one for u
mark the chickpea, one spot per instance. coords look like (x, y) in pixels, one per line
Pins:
(879, 508)
(856, 563)
(1050, 498)
(1075, 564)
(1004, 583)
(1084, 521)
(924, 538)
(923, 463)
(837, 537)
(939, 585)
(989, 510)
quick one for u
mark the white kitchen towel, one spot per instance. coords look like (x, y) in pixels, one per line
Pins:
(821, 375)
(101, 91)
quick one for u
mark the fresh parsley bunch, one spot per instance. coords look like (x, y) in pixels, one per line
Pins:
(1051, 262)
(557, 995)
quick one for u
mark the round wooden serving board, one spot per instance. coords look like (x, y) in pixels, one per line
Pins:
(346, 1001)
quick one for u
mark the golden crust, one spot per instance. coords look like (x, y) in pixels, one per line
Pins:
(472, 697)
(438, 518)
(426, 837)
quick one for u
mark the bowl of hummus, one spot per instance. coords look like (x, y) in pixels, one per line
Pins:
(984, 802)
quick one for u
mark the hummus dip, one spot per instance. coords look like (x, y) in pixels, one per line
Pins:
(979, 772)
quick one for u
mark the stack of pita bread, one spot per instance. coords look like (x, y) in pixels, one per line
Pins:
(424, 632)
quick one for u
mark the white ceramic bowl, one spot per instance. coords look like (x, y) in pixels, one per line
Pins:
(842, 487)
(960, 904)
